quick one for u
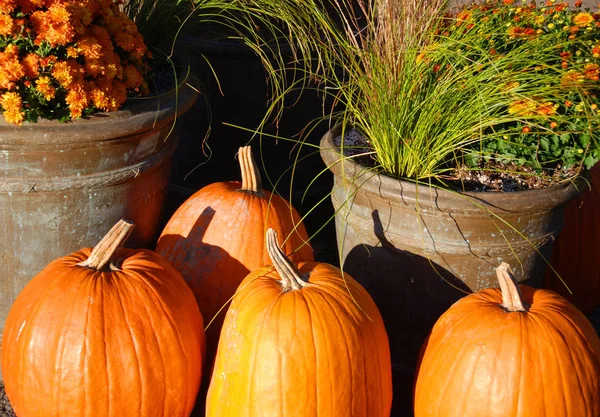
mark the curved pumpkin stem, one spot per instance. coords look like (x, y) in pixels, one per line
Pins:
(290, 276)
(250, 175)
(512, 298)
(107, 246)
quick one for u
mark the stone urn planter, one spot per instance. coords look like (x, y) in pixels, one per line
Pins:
(63, 185)
(418, 249)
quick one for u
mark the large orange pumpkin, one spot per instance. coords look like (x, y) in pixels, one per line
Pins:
(301, 341)
(514, 352)
(108, 332)
(217, 237)
(577, 250)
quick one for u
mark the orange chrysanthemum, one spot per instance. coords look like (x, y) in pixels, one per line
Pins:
(572, 79)
(524, 107)
(12, 104)
(97, 56)
(61, 72)
(133, 77)
(77, 100)
(68, 72)
(53, 25)
(118, 95)
(11, 69)
(546, 109)
(44, 86)
(7, 6)
(7, 24)
(583, 19)
(592, 72)
(72, 52)
(89, 47)
(31, 65)
(99, 97)
(47, 61)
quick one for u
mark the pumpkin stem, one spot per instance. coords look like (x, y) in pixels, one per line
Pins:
(512, 298)
(250, 175)
(107, 246)
(290, 276)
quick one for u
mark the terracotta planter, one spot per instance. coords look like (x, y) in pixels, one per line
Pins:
(418, 249)
(63, 185)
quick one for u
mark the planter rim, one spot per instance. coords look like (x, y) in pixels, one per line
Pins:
(138, 114)
(360, 176)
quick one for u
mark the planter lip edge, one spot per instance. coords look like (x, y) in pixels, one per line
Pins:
(379, 181)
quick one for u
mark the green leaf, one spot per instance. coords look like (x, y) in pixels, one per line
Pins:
(584, 140)
(590, 161)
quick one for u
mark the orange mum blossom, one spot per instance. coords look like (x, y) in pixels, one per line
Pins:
(7, 6)
(11, 103)
(31, 65)
(77, 99)
(11, 69)
(583, 19)
(6, 24)
(44, 85)
(72, 56)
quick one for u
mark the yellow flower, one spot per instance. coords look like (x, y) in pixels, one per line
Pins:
(61, 72)
(523, 107)
(31, 65)
(6, 24)
(571, 79)
(72, 52)
(11, 70)
(12, 104)
(43, 85)
(592, 72)
(77, 100)
(583, 19)
(547, 109)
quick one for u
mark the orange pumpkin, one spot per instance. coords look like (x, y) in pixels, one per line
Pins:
(108, 332)
(514, 352)
(217, 237)
(301, 341)
(577, 250)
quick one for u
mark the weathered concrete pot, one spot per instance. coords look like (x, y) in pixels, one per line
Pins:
(418, 249)
(63, 185)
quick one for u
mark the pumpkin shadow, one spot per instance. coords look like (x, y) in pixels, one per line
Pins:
(185, 253)
(411, 292)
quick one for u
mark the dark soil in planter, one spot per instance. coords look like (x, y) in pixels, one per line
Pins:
(495, 176)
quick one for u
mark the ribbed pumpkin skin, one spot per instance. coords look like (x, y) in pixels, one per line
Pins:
(303, 353)
(217, 237)
(481, 360)
(82, 343)
(577, 250)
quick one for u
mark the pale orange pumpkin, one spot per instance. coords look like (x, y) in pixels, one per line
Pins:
(217, 237)
(514, 352)
(576, 255)
(301, 341)
(107, 332)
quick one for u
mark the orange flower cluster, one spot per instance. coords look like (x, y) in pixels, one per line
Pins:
(556, 110)
(67, 58)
